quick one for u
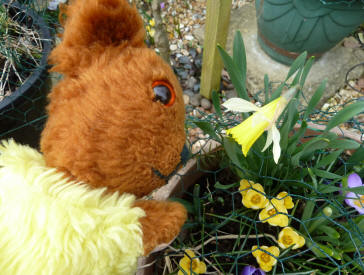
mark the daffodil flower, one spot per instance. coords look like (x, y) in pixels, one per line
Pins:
(263, 119)
(287, 200)
(190, 263)
(255, 197)
(272, 213)
(266, 261)
(288, 237)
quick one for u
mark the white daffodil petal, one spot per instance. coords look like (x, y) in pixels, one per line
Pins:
(240, 105)
(269, 140)
(276, 147)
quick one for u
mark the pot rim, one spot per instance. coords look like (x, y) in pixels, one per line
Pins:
(35, 75)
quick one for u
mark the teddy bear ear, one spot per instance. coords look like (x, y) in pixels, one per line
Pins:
(92, 26)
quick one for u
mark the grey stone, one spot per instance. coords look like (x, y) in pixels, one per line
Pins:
(188, 92)
(333, 65)
(195, 100)
(184, 60)
(190, 83)
(193, 52)
(196, 88)
(205, 103)
(182, 73)
(187, 66)
(230, 94)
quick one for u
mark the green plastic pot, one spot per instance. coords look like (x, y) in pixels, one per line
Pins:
(287, 28)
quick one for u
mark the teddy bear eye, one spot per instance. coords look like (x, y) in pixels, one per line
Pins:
(163, 92)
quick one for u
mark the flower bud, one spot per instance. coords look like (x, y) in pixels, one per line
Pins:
(327, 211)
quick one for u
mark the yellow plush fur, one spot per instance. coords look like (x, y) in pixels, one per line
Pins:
(55, 226)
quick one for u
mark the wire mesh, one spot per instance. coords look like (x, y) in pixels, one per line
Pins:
(26, 37)
(221, 231)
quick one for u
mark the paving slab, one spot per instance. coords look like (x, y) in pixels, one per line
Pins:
(333, 65)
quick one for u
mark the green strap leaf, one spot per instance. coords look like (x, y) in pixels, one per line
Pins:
(345, 114)
(235, 77)
(297, 64)
(315, 99)
(325, 174)
(345, 144)
(216, 102)
(234, 152)
(239, 55)
(291, 119)
(329, 231)
(328, 159)
(306, 70)
(309, 148)
(266, 89)
(277, 92)
(218, 185)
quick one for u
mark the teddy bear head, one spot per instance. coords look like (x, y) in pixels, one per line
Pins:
(116, 119)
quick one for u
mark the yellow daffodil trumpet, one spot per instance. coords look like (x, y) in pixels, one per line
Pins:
(263, 119)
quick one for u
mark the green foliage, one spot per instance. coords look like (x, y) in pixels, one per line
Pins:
(312, 169)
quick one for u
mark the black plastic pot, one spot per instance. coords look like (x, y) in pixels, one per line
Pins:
(22, 114)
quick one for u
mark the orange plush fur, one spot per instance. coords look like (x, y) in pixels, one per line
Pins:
(104, 126)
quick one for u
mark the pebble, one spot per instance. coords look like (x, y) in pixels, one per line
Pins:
(205, 103)
(186, 99)
(195, 100)
(191, 82)
(230, 94)
(196, 88)
(184, 60)
(173, 47)
(188, 92)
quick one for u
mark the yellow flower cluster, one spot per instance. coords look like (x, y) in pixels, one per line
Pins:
(150, 29)
(274, 212)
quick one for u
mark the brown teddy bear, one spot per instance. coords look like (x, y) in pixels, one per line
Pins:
(115, 131)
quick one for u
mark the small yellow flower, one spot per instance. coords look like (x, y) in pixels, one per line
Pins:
(152, 32)
(254, 199)
(190, 263)
(288, 203)
(245, 186)
(288, 237)
(264, 119)
(269, 213)
(266, 261)
(152, 22)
